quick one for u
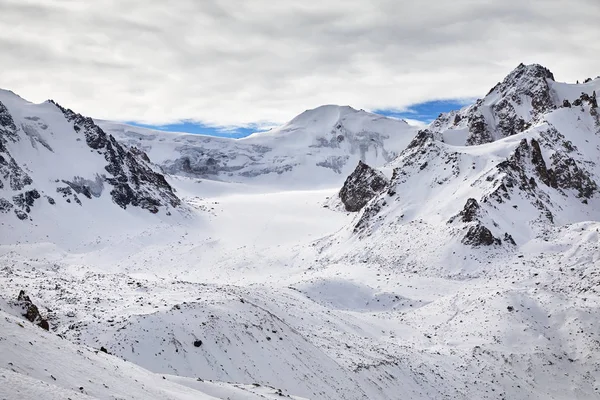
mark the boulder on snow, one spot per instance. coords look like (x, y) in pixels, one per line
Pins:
(361, 186)
(479, 235)
(31, 312)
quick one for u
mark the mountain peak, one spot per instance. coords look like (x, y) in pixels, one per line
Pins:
(328, 113)
(531, 70)
(510, 107)
(529, 80)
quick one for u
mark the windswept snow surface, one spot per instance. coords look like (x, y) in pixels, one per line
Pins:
(260, 281)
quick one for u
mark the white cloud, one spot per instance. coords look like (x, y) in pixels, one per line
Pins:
(415, 122)
(234, 62)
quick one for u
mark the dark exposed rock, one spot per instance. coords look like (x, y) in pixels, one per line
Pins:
(133, 180)
(545, 175)
(567, 174)
(30, 311)
(566, 103)
(140, 153)
(509, 122)
(22, 215)
(26, 200)
(371, 210)
(5, 205)
(509, 239)
(8, 129)
(68, 194)
(197, 343)
(18, 178)
(499, 114)
(585, 98)
(479, 132)
(9, 169)
(479, 235)
(361, 186)
(470, 211)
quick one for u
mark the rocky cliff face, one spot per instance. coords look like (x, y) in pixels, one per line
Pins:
(531, 165)
(132, 179)
(361, 186)
(50, 153)
(511, 107)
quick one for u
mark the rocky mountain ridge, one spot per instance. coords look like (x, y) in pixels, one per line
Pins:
(531, 161)
(50, 152)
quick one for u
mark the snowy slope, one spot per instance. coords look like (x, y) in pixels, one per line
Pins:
(514, 105)
(471, 272)
(318, 148)
(38, 364)
(510, 190)
(61, 175)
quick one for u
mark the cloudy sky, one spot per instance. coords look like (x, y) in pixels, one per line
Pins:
(251, 63)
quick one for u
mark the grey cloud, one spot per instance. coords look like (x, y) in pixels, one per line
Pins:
(229, 62)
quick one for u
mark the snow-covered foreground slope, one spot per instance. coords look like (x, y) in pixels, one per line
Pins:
(320, 147)
(470, 272)
(39, 364)
(271, 309)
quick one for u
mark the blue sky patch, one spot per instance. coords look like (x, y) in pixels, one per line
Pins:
(201, 129)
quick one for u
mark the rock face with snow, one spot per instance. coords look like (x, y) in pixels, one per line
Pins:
(530, 164)
(326, 142)
(361, 186)
(514, 105)
(50, 154)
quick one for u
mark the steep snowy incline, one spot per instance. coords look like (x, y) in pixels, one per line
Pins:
(61, 174)
(38, 364)
(514, 105)
(499, 194)
(318, 148)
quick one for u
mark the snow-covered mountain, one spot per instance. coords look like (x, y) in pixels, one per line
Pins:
(518, 163)
(466, 267)
(60, 172)
(319, 147)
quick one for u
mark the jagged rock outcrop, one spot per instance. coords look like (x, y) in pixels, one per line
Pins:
(134, 182)
(361, 186)
(10, 172)
(128, 174)
(510, 107)
(30, 311)
(479, 235)
(506, 192)
(470, 211)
